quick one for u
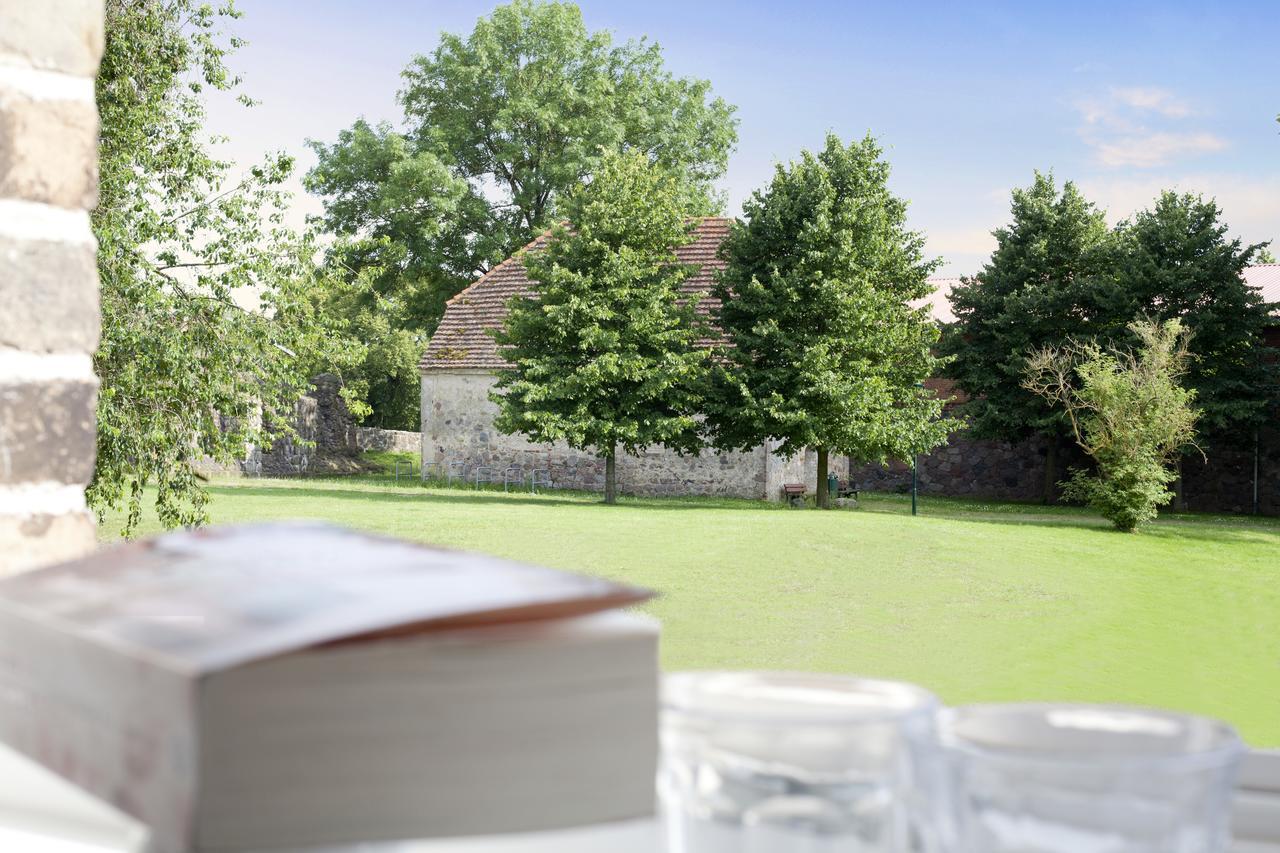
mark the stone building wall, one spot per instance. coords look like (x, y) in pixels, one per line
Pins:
(49, 52)
(457, 425)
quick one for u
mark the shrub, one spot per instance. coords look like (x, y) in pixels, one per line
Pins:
(1128, 411)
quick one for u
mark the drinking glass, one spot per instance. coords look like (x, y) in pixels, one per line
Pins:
(1088, 779)
(775, 762)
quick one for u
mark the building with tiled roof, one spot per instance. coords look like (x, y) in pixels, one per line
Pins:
(457, 414)
(464, 337)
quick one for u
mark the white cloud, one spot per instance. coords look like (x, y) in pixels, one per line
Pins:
(1250, 204)
(1158, 148)
(1151, 99)
(1142, 127)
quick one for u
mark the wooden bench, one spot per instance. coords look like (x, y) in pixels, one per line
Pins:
(793, 493)
(847, 489)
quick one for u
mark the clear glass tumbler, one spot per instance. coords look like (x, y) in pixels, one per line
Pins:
(761, 762)
(1088, 779)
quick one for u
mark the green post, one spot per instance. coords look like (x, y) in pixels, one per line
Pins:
(915, 463)
(915, 467)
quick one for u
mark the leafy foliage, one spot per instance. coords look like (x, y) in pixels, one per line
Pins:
(210, 317)
(1176, 261)
(1037, 290)
(603, 354)
(499, 126)
(825, 350)
(1128, 411)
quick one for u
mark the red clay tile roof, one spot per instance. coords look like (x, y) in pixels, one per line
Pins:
(462, 339)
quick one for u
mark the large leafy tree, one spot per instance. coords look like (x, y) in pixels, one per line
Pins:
(210, 323)
(1037, 290)
(603, 353)
(1178, 262)
(824, 350)
(498, 126)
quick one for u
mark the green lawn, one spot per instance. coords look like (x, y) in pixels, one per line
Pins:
(977, 601)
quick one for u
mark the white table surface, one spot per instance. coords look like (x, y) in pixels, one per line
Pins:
(41, 813)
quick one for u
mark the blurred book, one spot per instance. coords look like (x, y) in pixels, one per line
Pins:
(295, 685)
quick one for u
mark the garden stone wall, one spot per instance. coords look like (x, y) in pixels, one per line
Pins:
(966, 467)
(1224, 482)
(457, 425)
(391, 440)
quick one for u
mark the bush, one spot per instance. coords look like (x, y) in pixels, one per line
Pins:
(1128, 411)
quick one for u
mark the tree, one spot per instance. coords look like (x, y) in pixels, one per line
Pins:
(1176, 261)
(1128, 411)
(498, 127)
(186, 370)
(823, 350)
(1265, 256)
(604, 352)
(1037, 290)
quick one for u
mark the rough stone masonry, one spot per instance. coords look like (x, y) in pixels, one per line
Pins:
(49, 53)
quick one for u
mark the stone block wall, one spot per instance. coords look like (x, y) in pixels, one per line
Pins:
(1224, 482)
(393, 440)
(966, 467)
(457, 425)
(49, 52)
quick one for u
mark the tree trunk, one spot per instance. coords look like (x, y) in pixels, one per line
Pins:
(610, 477)
(1179, 502)
(1050, 470)
(824, 498)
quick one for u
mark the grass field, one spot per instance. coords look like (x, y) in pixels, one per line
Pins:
(977, 601)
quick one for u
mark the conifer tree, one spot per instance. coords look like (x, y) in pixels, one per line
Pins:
(1038, 290)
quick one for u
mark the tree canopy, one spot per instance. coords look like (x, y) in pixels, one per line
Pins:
(1177, 261)
(603, 353)
(210, 325)
(824, 350)
(499, 125)
(1035, 291)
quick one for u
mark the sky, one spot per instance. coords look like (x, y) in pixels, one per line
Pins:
(1124, 98)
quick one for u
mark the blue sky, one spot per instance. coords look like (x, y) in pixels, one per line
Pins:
(1123, 97)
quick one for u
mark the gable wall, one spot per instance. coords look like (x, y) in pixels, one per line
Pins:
(457, 427)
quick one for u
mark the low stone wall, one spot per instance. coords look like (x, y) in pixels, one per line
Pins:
(969, 467)
(458, 431)
(391, 440)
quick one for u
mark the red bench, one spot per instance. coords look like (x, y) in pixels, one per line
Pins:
(793, 493)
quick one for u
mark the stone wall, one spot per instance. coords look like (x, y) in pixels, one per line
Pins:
(328, 437)
(457, 424)
(392, 440)
(966, 467)
(49, 52)
(1225, 481)
(969, 467)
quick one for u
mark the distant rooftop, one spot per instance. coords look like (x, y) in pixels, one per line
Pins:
(1266, 278)
(463, 338)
